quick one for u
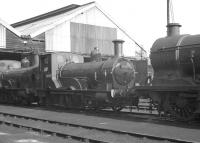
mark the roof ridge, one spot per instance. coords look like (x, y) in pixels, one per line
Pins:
(88, 3)
(49, 14)
(13, 30)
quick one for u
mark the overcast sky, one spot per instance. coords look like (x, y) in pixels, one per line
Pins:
(144, 20)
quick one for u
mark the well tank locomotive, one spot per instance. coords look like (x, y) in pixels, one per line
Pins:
(115, 75)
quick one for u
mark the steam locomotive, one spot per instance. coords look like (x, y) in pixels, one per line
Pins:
(51, 78)
(175, 88)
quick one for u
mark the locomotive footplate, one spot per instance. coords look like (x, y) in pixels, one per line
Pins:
(168, 88)
(181, 102)
(75, 98)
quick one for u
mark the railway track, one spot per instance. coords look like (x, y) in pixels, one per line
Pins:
(80, 132)
(125, 114)
(128, 115)
(142, 112)
(134, 114)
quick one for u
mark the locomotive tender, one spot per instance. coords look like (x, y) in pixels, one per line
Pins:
(52, 79)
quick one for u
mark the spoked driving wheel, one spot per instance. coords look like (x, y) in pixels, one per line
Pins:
(117, 104)
(117, 108)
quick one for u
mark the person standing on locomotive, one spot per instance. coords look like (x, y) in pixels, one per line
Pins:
(25, 62)
(95, 55)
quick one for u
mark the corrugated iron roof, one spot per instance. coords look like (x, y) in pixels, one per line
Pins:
(48, 14)
(39, 24)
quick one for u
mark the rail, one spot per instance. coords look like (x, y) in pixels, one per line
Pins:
(59, 133)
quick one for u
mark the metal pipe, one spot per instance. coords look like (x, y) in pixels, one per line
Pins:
(23, 70)
(118, 48)
(168, 15)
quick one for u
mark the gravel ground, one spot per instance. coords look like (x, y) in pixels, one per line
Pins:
(94, 134)
(15, 135)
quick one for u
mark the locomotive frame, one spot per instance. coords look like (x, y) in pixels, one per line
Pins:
(76, 93)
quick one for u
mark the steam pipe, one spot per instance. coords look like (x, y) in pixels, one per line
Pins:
(23, 70)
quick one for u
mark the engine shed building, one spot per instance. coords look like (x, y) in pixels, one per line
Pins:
(74, 28)
(69, 34)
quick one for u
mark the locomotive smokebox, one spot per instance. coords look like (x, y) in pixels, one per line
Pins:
(118, 47)
(173, 29)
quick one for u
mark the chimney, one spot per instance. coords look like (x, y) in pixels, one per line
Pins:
(173, 29)
(118, 47)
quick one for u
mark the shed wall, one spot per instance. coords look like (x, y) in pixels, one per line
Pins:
(13, 41)
(58, 38)
(85, 37)
(2, 36)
